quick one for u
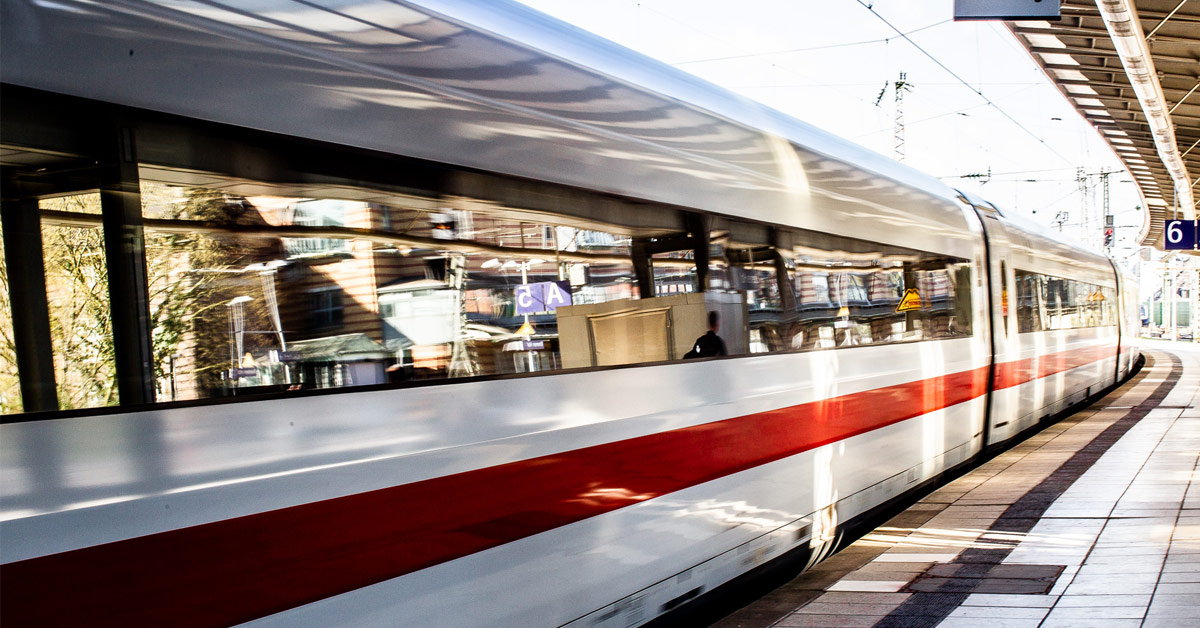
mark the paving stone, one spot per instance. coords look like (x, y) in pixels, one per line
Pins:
(872, 574)
(828, 621)
(1177, 612)
(995, 622)
(829, 608)
(987, 612)
(1009, 585)
(1092, 623)
(902, 557)
(1169, 622)
(1029, 572)
(1009, 600)
(961, 570)
(1142, 600)
(1186, 588)
(944, 585)
(910, 621)
(1097, 612)
(1108, 588)
(1184, 576)
(1117, 578)
(747, 618)
(1128, 566)
(1173, 599)
(847, 597)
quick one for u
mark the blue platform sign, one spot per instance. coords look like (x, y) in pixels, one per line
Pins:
(1007, 10)
(544, 296)
(1180, 235)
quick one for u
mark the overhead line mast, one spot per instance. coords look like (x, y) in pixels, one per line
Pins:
(899, 87)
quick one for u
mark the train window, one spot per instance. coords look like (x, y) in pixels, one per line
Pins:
(1004, 297)
(262, 289)
(764, 304)
(1051, 303)
(1029, 305)
(10, 383)
(1108, 306)
(851, 293)
(78, 299)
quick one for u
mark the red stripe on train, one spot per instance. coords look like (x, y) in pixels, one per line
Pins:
(239, 569)
(1009, 374)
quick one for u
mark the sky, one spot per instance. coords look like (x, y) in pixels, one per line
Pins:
(826, 62)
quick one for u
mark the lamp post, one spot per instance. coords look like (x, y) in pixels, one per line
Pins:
(171, 364)
(237, 328)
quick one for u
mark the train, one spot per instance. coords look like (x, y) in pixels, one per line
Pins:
(367, 312)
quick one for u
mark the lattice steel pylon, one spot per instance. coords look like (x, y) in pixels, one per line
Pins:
(462, 353)
(901, 86)
(898, 87)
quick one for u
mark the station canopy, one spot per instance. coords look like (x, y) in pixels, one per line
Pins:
(1133, 71)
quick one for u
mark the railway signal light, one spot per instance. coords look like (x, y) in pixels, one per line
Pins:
(1108, 236)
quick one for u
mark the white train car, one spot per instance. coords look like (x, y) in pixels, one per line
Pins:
(323, 227)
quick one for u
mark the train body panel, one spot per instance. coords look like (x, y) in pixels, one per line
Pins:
(1130, 325)
(670, 533)
(639, 558)
(268, 455)
(903, 330)
(1056, 370)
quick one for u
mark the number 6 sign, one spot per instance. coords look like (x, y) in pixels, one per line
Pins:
(1179, 235)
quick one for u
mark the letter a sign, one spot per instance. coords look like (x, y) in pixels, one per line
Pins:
(911, 301)
(545, 296)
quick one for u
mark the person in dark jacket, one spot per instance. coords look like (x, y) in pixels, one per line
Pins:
(709, 344)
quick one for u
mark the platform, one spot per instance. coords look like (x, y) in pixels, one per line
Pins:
(1092, 522)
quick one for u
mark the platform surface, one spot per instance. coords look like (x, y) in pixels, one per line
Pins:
(1093, 522)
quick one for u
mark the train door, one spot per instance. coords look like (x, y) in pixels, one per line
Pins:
(1039, 384)
(1128, 325)
(1004, 400)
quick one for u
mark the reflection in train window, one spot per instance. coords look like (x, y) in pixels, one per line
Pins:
(271, 292)
(77, 296)
(1052, 303)
(257, 287)
(1030, 309)
(10, 383)
(863, 294)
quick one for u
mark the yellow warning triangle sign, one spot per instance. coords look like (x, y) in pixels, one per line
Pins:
(911, 301)
(525, 330)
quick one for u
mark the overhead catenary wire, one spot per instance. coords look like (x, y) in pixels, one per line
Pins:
(751, 55)
(962, 112)
(1012, 172)
(1017, 172)
(977, 91)
(641, 6)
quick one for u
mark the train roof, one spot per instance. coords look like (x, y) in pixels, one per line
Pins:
(521, 25)
(495, 86)
(1042, 250)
